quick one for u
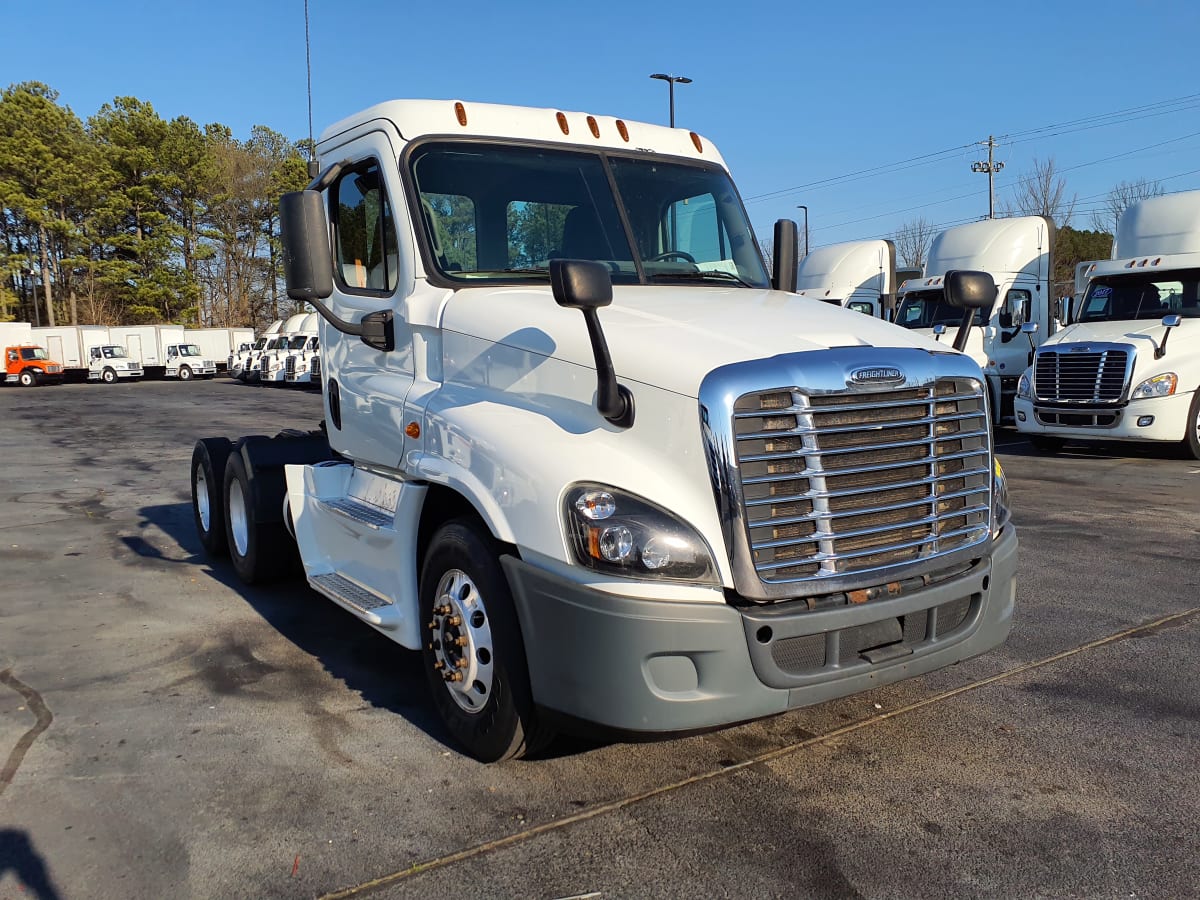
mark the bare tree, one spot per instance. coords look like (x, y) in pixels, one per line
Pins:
(912, 241)
(1120, 198)
(1043, 192)
(767, 246)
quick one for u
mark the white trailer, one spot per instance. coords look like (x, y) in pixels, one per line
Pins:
(859, 275)
(1127, 368)
(219, 344)
(612, 521)
(1019, 255)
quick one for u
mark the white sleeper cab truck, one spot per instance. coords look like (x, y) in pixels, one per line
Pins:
(272, 360)
(581, 456)
(303, 366)
(1127, 368)
(185, 362)
(242, 360)
(859, 275)
(1019, 255)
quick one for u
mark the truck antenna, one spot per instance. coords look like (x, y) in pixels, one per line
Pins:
(313, 169)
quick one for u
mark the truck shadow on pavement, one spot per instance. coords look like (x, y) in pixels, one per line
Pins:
(385, 674)
(18, 856)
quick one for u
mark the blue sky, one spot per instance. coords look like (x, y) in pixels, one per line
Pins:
(794, 94)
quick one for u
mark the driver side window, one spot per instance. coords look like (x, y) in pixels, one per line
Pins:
(367, 253)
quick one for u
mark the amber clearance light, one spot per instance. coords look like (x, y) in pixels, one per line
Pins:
(460, 113)
(562, 123)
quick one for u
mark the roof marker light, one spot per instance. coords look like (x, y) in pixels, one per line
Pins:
(622, 130)
(1143, 262)
(460, 113)
(696, 142)
(562, 123)
(1156, 262)
(595, 129)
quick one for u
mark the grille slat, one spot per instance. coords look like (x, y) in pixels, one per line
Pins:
(840, 484)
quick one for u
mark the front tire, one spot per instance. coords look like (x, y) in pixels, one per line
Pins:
(474, 657)
(208, 496)
(185, 373)
(261, 552)
(108, 376)
(1191, 441)
(27, 379)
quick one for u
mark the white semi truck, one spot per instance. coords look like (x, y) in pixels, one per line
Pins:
(1127, 368)
(269, 368)
(859, 275)
(581, 456)
(1019, 255)
(88, 351)
(303, 366)
(244, 360)
(299, 342)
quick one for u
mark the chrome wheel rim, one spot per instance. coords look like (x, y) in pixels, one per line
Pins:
(200, 482)
(239, 523)
(461, 640)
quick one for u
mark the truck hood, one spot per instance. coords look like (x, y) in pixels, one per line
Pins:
(671, 336)
(1148, 332)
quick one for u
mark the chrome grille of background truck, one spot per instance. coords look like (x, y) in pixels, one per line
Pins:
(289, 366)
(1081, 373)
(840, 487)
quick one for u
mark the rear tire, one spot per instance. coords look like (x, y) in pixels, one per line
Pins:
(1046, 444)
(490, 710)
(27, 379)
(208, 494)
(261, 552)
(1191, 441)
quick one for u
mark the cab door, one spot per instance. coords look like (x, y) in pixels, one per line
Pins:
(373, 262)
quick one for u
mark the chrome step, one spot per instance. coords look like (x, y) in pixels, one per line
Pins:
(364, 513)
(364, 602)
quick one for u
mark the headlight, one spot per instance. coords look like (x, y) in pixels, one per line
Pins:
(1159, 386)
(617, 533)
(1001, 508)
(1023, 386)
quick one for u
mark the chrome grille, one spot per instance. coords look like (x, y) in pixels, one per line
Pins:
(849, 483)
(289, 365)
(315, 366)
(1080, 377)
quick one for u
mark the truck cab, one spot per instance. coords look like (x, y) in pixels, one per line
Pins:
(1127, 368)
(245, 359)
(1019, 255)
(29, 365)
(110, 363)
(583, 455)
(185, 362)
(272, 360)
(303, 366)
(859, 275)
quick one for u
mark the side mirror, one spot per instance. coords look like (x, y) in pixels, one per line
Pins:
(1168, 322)
(586, 286)
(784, 260)
(968, 291)
(1029, 328)
(304, 236)
(938, 330)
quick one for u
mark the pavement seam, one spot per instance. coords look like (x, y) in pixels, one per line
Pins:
(519, 837)
(43, 715)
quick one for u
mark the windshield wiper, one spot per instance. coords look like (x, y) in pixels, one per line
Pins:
(699, 276)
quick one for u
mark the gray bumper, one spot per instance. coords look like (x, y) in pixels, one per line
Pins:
(655, 666)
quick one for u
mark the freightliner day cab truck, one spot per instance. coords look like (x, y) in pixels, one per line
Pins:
(1019, 255)
(859, 275)
(591, 474)
(1127, 368)
(88, 351)
(26, 363)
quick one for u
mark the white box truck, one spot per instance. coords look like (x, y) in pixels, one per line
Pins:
(602, 473)
(218, 344)
(164, 351)
(88, 351)
(1019, 255)
(1127, 368)
(859, 275)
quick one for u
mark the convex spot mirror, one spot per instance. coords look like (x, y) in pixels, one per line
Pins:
(1029, 328)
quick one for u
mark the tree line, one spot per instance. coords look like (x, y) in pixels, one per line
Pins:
(129, 218)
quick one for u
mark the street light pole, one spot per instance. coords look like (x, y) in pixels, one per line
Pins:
(671, 81)
(805, 208)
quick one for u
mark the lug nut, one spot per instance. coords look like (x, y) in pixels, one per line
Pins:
(460, 642)
(454, 621)
(453, 676)
(443, 610)
(462, 662)
(433, 625)
(439, 665)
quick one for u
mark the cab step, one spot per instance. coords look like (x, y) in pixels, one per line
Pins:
(363, 602)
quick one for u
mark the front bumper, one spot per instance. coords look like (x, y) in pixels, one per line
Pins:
(655, 667)
(1169, 425)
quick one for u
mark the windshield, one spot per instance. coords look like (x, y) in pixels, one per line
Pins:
(259, 344)
(1145, 295)
(189, 349)
(497, 213)
(924, 309)
(34, 353)
(276, 343)
(114, 352)
(297, 342)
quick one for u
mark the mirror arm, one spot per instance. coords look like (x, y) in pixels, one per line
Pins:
(964, 330)
(613, 401)
(327, 177)
(1161, 350)
(377, 329)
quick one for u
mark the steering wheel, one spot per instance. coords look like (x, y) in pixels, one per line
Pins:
(670, 253)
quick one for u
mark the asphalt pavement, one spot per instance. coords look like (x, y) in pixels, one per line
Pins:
(168, 732)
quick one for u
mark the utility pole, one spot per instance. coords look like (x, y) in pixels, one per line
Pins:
(991, 167)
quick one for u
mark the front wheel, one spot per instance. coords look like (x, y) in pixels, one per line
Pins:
(185, 374)
(260, 551)
(474, 656)
(27, 379)
(1191, 440)
(108, 376)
